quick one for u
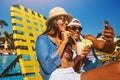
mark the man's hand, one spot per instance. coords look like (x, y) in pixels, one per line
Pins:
(108, 34)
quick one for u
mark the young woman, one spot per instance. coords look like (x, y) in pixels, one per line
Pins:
(50, 45)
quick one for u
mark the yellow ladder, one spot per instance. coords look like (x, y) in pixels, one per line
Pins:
(26, 26)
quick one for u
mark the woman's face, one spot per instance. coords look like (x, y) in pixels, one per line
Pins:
(75, 30)
(62, 22)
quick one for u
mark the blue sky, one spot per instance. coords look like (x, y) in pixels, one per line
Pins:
(91, 13)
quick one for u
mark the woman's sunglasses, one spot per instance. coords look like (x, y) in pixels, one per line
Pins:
(74, 28)
(63, 18)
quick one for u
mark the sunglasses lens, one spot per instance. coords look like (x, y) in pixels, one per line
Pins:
(80, 28)
(64, 19)
(75, 28)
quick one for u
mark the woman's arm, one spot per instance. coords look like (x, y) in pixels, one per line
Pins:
(76, 60)
(47, 54)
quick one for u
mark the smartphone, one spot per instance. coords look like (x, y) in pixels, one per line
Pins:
(106, 23)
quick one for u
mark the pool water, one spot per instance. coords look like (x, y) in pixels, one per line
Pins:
(14, 73)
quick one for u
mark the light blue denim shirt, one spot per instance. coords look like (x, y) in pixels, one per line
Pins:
(47, 55)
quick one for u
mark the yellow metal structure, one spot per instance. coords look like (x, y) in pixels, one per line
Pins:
(26, 26)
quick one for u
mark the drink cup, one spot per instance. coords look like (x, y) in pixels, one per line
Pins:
(80, 46)
(87, 42)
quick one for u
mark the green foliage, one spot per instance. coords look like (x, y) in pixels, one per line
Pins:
(117, 43)
(99, 35)
(118, 37)
(3, 23)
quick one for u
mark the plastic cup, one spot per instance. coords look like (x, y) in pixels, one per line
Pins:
(80, 46)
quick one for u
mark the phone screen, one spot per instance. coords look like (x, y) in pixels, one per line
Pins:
(106, 23)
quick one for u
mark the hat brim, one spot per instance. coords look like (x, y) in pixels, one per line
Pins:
(51, 18)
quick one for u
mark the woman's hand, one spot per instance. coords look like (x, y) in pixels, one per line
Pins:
(66, 35)
(85, 51)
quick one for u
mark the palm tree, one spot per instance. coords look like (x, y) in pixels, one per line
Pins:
(118, 36)
(9, 39)
(118, 41)
(2, 23)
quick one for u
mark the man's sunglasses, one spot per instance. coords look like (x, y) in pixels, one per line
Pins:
(74, 28)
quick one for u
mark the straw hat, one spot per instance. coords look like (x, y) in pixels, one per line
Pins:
(57, 11)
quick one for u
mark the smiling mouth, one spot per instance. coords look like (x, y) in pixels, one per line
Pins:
(64, 26)
(75, 34)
